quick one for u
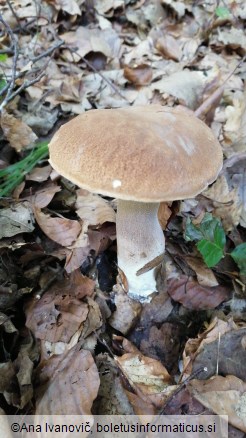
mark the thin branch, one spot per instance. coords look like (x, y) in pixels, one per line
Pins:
(14, 43)
(91, 66)
(47, 52)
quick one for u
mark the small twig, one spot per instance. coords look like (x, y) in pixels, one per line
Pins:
(47, 52)
(181, 386)
(91, 66)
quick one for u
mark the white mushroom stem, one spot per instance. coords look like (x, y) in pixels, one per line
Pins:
(140, 240)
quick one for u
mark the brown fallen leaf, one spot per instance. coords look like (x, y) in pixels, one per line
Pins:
(61, 230)
(44, 195)
(93, 209)
(169, 47)
(68, 384)
(149, 381)
(226, 202)
(194, 296)
(60, 313)
(224, 395)
(17, 132)
(39, 174)
(140, 75)
(216, 329)
(205, 276)
(226, 355)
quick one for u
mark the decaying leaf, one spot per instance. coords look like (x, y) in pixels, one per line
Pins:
(60, 313)
(68, 384)
(205, 276)
(16, 219)
(195, 296)
(224, 395)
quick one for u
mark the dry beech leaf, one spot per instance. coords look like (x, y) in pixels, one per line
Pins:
(226, 355)
(227, 205)
(93, 208)
(69, 6)
(60, 313)
(69, 384)
(193, 347)
(16, 219)
(169, 47)
(140, 75)
(148, 374)
(164, 213)
(223, 395)
(185, 85)
(194, 296)
(205, 276)
(17, 132)
(149, 379)
(44, 195)
(61, 230)
(39, 174)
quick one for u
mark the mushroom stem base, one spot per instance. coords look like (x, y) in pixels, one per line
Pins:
(140, 240)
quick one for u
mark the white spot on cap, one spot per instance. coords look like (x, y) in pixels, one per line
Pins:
(116, 183)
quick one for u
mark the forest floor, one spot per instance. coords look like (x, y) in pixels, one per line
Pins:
(61, 314)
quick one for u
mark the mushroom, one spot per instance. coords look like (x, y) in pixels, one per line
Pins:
(140, 155)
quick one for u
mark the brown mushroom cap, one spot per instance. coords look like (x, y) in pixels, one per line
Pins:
(145, 153)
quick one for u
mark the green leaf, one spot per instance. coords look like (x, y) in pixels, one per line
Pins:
(192, 232)
(222, 12)
(211, 238)
(3, 57)
(239, 256)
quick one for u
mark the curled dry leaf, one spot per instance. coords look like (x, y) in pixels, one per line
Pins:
(140, 75)
(61, 230)
(223, 395)
(88, 40)
(39, 174)
(227, 205)
(194, 296)
(205, 276)
(193, 347)
(93, 209)
(169, 47)
(44, 195)
(69, 384)
(17, 132)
